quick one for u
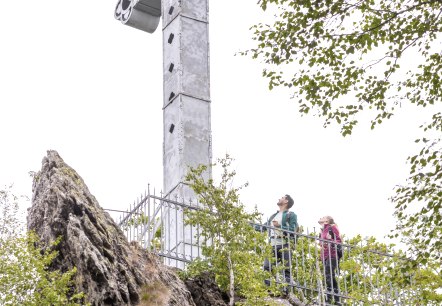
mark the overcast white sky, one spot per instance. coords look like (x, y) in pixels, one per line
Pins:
(75, 80)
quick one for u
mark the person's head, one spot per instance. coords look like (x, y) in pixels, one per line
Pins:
(326, 220)
(286, 202)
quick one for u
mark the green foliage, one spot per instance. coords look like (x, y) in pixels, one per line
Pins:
(350, 56)
(25, 278)
(25, 275)
(352, 49)
(305, 264)
(421, 225)
(405, 275)
(369, 273)
(231, 247)
(10, 224)
(195, 268)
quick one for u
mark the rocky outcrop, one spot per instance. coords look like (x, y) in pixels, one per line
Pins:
(110, 270)
(205, 292)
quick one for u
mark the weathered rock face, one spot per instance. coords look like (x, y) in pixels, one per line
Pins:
(110, 270)
(205, 292)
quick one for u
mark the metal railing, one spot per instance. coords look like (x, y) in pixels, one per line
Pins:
(362, 277)
(146, 222)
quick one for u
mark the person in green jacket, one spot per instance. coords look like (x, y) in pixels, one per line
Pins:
(278, 224)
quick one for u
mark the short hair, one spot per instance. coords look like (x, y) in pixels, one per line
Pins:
(290, 201)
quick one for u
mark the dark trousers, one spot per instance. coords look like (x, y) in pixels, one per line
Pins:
(282, 254)
(330, 267)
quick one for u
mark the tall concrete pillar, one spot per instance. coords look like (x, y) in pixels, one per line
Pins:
(186, 111)
(186, 101)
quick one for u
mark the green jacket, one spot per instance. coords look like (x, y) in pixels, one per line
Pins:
(289, 220)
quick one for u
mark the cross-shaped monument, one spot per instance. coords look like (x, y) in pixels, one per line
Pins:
(186, 92)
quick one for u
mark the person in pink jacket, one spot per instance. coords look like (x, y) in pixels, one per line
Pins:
(329, 257)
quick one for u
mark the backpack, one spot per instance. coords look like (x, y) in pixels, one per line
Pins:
(296, 230)
(338, 245)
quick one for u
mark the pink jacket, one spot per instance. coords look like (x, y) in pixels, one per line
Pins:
(328, 249)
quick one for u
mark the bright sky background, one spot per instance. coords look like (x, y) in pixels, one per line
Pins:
(74, 79)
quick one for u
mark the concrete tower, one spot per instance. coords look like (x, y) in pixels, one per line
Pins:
(186, 109)
(186, 98)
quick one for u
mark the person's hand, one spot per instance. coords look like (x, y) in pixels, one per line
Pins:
(275, 223)
(328, 236)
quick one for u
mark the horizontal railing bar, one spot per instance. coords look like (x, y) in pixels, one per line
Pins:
(320, 239)
(133, 210)
(129, 213)
(121, 211)
(176, 203)
(163, 254)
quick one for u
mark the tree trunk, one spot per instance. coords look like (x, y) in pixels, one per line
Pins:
(232, 281)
